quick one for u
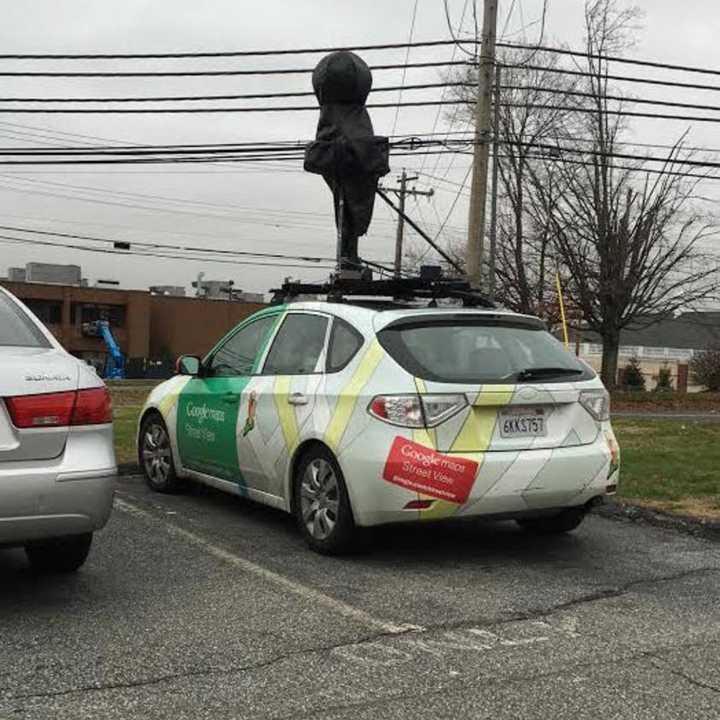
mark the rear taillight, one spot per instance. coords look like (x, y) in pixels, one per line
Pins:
(403, 410)
(416, 411)
(49, 410)
(82, 407)
(439, 408)
(596, 402)
(92, 407)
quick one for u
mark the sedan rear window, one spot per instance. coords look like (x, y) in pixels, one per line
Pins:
(16, 328)
(477, 350)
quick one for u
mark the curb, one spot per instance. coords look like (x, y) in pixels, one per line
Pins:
(128, 469)
(618, 510)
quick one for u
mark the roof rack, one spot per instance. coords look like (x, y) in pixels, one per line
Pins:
(342, 289)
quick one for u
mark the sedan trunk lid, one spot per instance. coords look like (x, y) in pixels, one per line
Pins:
(33, 371)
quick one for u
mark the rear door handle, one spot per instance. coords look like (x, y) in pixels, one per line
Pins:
(230, 399)
(297, 399)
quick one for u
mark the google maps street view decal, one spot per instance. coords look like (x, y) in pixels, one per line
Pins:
(420, 468)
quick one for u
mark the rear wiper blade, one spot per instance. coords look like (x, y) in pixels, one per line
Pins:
(542, 371)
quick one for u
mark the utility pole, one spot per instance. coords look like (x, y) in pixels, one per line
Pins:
(402, 192)
(493, 201)
(483, 107)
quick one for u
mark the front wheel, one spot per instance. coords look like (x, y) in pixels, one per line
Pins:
(322, 505)
(155, 455)
(59, 555)
(563, 522)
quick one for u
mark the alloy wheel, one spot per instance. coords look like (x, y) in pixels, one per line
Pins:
(156, 454)
(320, 499)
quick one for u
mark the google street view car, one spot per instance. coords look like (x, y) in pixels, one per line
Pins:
(354, 414)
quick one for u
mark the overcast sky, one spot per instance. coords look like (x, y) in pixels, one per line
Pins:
(276, 208)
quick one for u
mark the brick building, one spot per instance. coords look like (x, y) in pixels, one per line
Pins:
(144, 325)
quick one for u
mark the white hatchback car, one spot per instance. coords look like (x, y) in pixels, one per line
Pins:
(348, 415)
(57, 461)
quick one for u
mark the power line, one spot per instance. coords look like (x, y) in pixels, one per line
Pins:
(407, 58)
(613, 98)
(630, 168)
(26, 241)
(234, 159)
(449, 212)
(386, 46)
(47, 132)
(127, 146)
(153, 157)
(609, 76)
(164, 246)
(455, 40)
(623, 156)
(609, 58)
(257, 109)
(607, 111)
(265, 215)
(454, 202)
(442, 96)
(507, 19)
(391, 88)
(220, 54)
(420, 148)
(213, 73)
(193, 98)
(380, 46)
(543, 18)
(291, 150)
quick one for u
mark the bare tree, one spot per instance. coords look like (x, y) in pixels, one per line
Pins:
(525, 258)
(629, 236)
(705, 368)
(625, 236)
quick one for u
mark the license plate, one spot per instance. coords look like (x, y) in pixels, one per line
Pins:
(522, 422)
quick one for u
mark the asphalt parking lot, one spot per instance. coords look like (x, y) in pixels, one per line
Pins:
(205, 606)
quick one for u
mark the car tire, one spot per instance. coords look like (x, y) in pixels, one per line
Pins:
(59, 555)
(563, 522)
(155, 455)
(322, 505)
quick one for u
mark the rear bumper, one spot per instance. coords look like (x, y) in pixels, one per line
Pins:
(69, 495)
(507, 484)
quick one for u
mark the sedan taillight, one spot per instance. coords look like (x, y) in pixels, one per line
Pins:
(92, 407)
(79, 407)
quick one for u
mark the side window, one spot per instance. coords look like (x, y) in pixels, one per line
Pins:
(345, 341)
(297, 345)
(236, 356)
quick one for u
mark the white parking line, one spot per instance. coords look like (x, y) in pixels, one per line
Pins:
(306, 593)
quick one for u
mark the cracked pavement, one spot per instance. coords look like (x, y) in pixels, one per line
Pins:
(202, 605)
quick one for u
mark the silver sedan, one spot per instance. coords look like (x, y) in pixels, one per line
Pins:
(57, 462)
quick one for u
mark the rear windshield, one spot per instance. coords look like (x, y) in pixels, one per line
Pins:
(481, 351)
(16, 328)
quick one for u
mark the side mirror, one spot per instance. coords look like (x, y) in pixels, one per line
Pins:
(187, 365)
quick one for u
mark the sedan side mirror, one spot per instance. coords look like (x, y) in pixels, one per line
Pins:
(188, 365)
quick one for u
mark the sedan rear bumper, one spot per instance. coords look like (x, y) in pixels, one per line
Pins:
(64, 508)
(69, 495)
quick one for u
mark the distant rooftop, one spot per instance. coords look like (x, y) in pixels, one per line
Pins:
(689, 330)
